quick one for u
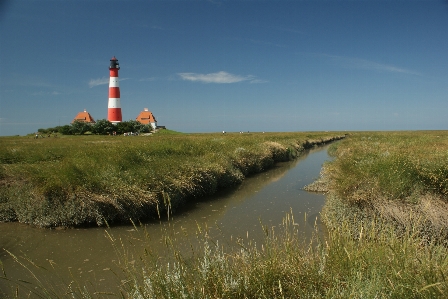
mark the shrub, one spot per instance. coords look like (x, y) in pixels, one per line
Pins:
(103, 127)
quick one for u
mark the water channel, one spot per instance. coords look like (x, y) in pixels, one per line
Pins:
(87, 255)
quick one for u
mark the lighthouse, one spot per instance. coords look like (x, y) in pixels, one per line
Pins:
(114, 106)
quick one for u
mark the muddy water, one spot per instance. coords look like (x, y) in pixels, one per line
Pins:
(90, 257)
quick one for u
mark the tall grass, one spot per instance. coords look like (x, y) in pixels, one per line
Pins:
(398, 177)
(392, 165)
(76, 180)
(288, 265)
(375, 264)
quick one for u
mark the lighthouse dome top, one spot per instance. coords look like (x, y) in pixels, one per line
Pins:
(114, 63)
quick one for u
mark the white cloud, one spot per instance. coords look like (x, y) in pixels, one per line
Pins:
(100, 81)
(219, 77)
(359, 63)
(371, 65)
(45, 93)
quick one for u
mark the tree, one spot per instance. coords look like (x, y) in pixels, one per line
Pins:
(146, 128)
(103, 127)
(42, 131)
(50, 130)
(65, 130)
(80, 127)
(129, 126)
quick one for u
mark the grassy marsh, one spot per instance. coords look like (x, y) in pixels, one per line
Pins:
(377, 182)
(386, 211)
(396, 166)
(79, 180)
(398, 177)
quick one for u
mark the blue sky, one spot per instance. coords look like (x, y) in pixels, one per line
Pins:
(208, 66)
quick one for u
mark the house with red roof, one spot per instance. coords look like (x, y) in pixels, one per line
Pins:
(84, 117)
(146, 117)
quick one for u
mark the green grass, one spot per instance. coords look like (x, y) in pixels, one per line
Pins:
(391, 165)
(77, 180)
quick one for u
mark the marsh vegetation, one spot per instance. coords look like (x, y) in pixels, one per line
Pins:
(398, 178)
(386, 217)
(90, 180)
(375, 264)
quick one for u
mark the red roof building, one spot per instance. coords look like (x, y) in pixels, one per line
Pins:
(146, 117)
(84, 117)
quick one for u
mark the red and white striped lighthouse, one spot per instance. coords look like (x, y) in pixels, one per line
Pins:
(114, 106)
